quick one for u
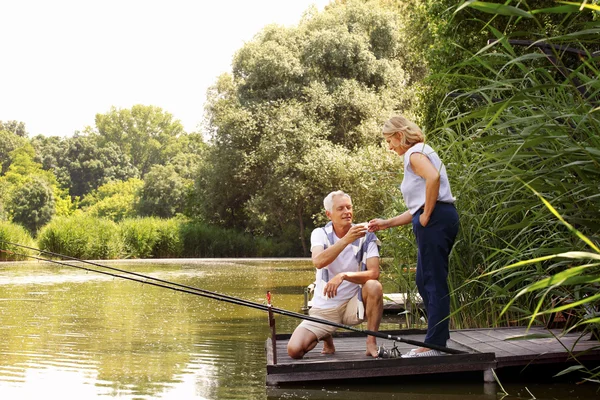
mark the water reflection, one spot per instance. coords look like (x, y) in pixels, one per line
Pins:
(78, 335)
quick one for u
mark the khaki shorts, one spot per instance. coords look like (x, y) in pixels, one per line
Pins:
(343, 314)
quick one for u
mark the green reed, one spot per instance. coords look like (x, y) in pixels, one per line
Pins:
(151, 237)
(520, 126)
(14, 233)
(81, 236)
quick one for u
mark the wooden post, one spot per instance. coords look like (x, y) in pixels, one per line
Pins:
(272, 325)
(488, 376)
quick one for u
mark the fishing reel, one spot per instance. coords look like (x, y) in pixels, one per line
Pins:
(394, 352)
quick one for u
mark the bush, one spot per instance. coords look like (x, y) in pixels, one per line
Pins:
(200, 240)
(81, 236)
(14, 233)
(151, 237)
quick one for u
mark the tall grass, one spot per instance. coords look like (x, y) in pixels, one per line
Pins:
(520, 124)
(14, 233)
(81, 236)
(151, 237)
(87, 237)
(201, 240)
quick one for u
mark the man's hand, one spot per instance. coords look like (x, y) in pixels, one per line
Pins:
(357, 231)
(330, 289)
(423, 220)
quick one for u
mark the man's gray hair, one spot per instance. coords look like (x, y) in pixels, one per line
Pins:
(328, 202)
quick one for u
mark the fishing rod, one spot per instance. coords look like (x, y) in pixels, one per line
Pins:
(147, 279)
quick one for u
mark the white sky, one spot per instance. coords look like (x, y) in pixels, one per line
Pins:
(64, 61)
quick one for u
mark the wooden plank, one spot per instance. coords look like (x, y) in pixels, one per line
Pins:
(507, 349)
(463, 339)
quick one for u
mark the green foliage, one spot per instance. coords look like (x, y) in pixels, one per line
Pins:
(522, 121)
(164, 193)
(114, 200)
(14, 233)
(30, 195)
(81, 163)
(185, 154)
(81, 236)
(142, 132)
(8, 142)
(14, 127)
(151, 238)
(205, 241)
(33, 204)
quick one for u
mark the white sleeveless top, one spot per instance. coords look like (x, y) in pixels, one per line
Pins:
(413, 186)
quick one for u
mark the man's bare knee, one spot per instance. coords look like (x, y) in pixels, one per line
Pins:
(294, 351)
(301, 342)
(373, 288)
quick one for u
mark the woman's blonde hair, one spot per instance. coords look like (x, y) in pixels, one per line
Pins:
(411, 133)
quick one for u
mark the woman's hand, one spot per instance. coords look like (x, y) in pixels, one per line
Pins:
(376, 224)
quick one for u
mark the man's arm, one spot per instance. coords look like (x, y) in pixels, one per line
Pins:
(372, 272)
(323, 257)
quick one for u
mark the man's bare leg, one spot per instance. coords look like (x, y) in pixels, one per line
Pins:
(328, 347)
(301, 342)
(372, 292)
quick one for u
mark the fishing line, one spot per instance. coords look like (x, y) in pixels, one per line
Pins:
(214, 295)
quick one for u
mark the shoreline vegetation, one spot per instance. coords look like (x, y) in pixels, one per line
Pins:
(85, 237)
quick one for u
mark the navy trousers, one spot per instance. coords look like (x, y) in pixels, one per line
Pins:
(434, 243)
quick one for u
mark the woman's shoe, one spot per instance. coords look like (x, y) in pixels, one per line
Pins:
(428, 353)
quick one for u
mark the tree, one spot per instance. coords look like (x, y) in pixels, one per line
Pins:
(164, 193)
(9, 141)
(185, 153)
(142, 132)
(15, 127)
(22, 176)
(33, 204)
(80, 164)
(435, 36)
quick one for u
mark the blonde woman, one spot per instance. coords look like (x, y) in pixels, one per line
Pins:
(426, 192)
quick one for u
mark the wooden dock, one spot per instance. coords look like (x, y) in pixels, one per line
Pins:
(486, 349)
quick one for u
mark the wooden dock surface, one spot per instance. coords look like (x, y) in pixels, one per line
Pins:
(486, 349)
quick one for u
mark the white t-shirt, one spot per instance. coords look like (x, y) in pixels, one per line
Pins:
(345, 262)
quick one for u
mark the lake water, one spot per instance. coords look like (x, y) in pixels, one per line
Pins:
(71, 334)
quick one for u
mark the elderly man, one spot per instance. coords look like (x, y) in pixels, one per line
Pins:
(347, 290)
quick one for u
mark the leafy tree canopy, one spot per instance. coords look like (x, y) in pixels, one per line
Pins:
(15, 127)
(80, 164)
(9, 141)
(33, 204)
(142, 132)
(164, 193)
